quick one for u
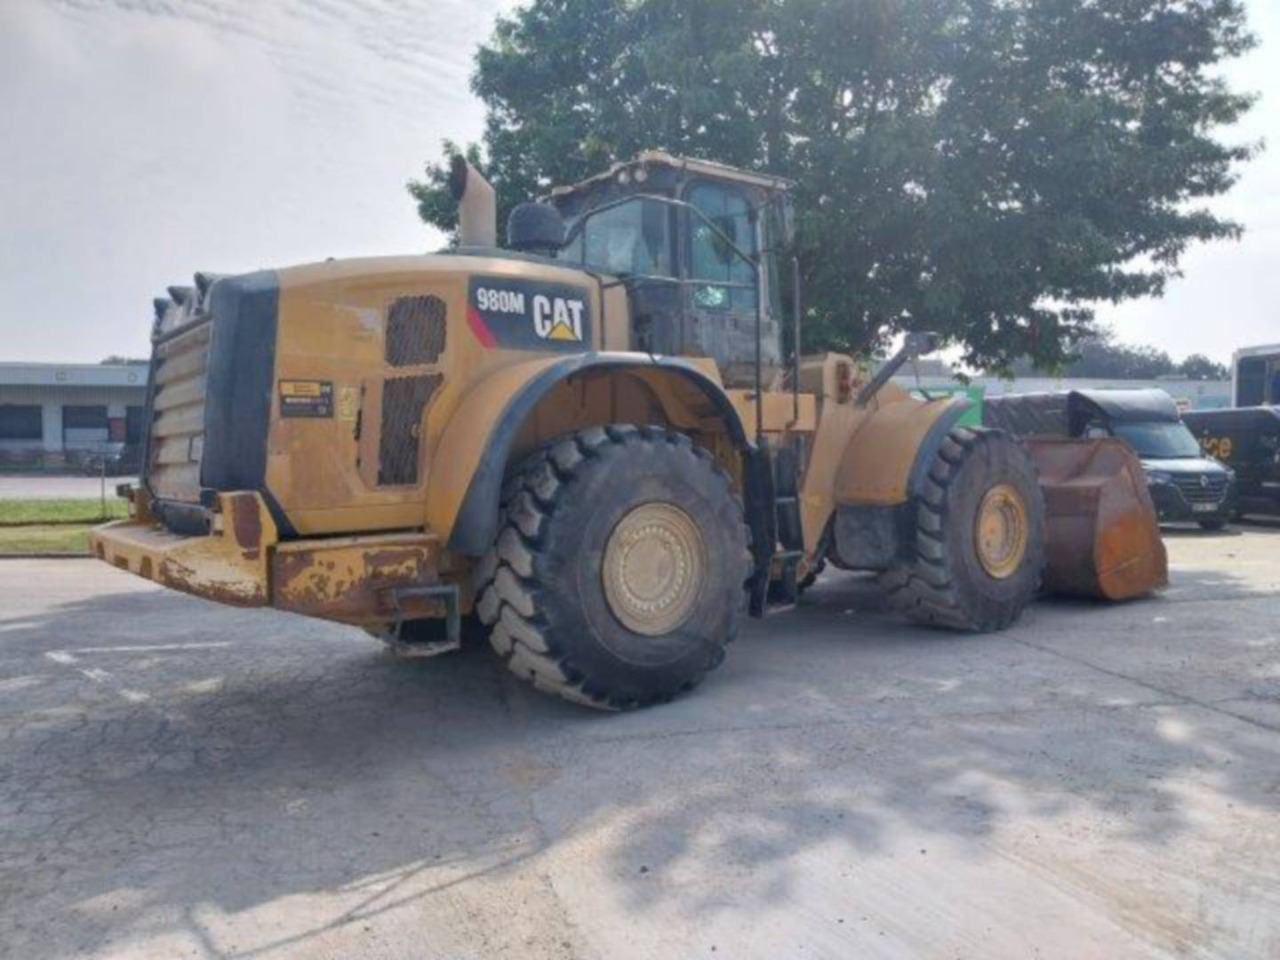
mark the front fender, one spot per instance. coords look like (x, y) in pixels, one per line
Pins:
(888, 457)
(468, 468)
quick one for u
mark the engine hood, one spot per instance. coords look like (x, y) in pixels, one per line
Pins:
(1196, 465)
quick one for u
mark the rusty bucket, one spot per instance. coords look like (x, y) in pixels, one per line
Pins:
(1103, 535)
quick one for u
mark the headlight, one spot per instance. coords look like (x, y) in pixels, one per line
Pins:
(1157, 477)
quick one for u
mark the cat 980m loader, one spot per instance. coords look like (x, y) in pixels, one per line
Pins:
(592, 441)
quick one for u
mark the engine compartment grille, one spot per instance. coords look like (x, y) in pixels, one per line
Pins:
(1202, 488)
(415, 331)
(176, 441)
(404, 399)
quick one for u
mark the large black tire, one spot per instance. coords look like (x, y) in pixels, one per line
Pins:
(542, 587)
(944, 582)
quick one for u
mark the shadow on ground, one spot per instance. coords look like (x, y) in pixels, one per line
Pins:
(301, 761)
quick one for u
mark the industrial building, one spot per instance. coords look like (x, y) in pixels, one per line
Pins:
(52, 414)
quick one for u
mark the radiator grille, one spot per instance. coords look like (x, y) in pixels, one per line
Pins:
(415, 331)
(1206, 488)
(403, 401)
(176, 443)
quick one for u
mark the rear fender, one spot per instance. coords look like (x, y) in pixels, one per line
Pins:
(477, 444)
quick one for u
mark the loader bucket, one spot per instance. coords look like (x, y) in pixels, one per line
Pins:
(1103, 536)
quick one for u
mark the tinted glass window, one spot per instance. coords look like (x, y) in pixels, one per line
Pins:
(715, 261)
(1159, 441)
(21, 422)
(84, 418)
(773, 268)
(133, 419)
(630, 239)
(1251, 380)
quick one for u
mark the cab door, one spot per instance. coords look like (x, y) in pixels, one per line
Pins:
(723, 295)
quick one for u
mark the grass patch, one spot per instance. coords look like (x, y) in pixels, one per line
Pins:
(89, 511)
(46, 538)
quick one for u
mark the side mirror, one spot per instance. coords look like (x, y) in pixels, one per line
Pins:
(920, 344)
(786, 219)
(916, 344)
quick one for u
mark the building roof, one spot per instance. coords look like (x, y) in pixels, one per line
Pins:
(72, 375)
(1265, 350)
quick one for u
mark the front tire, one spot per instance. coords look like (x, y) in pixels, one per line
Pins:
(979, 537)
(617, 576)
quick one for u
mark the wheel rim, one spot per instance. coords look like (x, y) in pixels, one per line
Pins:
(1001, 531)
(655, 564)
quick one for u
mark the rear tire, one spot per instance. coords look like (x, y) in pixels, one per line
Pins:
(956, 577)
(625, 621)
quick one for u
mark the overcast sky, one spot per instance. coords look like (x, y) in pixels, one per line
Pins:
(147, 139)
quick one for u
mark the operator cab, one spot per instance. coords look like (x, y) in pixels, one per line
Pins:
(697, 245)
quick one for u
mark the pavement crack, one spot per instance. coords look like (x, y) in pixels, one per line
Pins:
(1153, 687)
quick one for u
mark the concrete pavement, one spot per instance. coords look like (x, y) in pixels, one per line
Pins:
(180, 779)
(41, 487)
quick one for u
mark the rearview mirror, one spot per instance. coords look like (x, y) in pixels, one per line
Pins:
(785, 218)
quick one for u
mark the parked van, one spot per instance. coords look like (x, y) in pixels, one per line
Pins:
(1248, 441)
(1185, 484)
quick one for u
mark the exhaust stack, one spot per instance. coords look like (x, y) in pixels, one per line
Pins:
(477, 208)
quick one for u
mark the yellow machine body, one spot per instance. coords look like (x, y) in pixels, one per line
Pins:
(330, 439)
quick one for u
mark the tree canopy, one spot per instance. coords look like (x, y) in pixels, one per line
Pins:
(989, 169)
(1099, 355)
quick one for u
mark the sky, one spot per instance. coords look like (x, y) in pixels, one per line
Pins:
(146, 139)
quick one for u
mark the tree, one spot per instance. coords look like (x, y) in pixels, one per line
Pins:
(1199, 367)
(1099, 356)
(985, 168)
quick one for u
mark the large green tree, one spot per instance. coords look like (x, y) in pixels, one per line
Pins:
(1101, 355)
(990, 169)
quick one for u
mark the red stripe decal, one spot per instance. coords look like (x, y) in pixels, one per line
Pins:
(477, 325)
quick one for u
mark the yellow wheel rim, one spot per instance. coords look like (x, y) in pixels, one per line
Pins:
(1001, 530)
(655, 564)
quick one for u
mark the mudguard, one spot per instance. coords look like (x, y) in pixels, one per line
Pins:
(466, 483)
(889, 453)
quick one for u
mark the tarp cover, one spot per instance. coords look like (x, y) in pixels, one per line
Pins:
(1028, 414)
(1131, 406)
(1066, 413)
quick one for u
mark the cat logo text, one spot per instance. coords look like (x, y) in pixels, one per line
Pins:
(557, 318)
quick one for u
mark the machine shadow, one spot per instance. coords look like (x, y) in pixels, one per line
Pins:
(304, 761)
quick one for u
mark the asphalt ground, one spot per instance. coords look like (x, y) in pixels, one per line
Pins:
(179, 779)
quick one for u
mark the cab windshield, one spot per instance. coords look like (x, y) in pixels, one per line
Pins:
(626, 240)
(1159, 441)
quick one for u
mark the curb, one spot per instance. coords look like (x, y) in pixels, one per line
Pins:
(46, 556)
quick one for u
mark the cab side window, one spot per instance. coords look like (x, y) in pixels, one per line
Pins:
(723, 279)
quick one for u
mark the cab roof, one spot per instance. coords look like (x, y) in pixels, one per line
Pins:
(706, 168)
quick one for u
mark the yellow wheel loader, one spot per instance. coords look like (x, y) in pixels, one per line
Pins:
(592, 442)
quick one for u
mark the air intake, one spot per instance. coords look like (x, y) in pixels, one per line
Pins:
(415, 331)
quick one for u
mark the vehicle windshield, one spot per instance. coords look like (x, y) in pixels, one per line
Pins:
(1159, 441)
(630, 239)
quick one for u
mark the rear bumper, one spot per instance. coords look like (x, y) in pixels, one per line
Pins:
(363, 580)
(230, 565)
